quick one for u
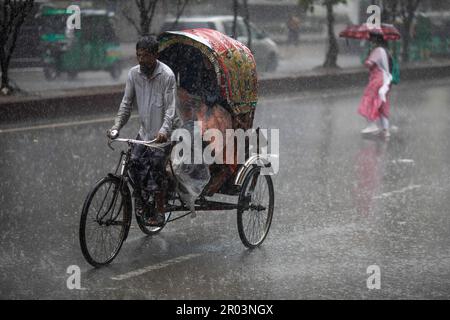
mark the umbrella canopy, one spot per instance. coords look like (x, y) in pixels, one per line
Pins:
(363, 32)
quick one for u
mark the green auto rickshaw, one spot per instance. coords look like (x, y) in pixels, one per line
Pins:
(93, 47)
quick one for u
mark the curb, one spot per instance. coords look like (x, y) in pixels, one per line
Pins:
(106, 99)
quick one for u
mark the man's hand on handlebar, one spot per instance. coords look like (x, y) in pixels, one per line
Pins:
(161, 137)
(112, 133)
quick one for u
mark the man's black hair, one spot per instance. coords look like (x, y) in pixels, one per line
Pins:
(149, 43)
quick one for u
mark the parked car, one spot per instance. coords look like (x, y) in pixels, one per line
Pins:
(264, 49)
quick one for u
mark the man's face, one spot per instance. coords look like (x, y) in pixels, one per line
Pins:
(146, 58)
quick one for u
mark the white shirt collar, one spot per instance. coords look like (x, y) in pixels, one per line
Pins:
(155, 72)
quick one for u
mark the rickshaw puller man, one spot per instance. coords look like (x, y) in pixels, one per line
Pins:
(152, 85)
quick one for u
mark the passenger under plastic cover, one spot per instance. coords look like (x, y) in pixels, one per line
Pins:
(199, 101)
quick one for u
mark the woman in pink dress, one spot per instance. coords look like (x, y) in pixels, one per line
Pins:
(375, 104)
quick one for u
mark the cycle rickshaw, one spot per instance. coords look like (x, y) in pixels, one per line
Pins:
(217, 84)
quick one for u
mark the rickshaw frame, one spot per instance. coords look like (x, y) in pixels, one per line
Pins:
(249, 185)
(122, 182)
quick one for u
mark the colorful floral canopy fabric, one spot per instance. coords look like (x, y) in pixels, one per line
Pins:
(233, 63)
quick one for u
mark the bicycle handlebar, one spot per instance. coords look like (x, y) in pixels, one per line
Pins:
(150, 143)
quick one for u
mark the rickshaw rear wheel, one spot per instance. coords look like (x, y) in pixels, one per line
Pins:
(255, 208)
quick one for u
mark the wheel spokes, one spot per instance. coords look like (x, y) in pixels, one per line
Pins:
(105, 223)
(255, 213)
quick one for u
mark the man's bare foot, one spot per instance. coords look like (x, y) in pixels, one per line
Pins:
(157, 220)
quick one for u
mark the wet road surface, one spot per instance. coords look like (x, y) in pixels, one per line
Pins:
(342, 203)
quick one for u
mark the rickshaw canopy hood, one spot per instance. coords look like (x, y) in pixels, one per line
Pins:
(233, 63)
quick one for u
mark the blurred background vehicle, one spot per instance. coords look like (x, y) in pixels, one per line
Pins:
(93, 47)
(264, 48)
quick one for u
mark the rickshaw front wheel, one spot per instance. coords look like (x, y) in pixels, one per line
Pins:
(105, 221)
(255, 208)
